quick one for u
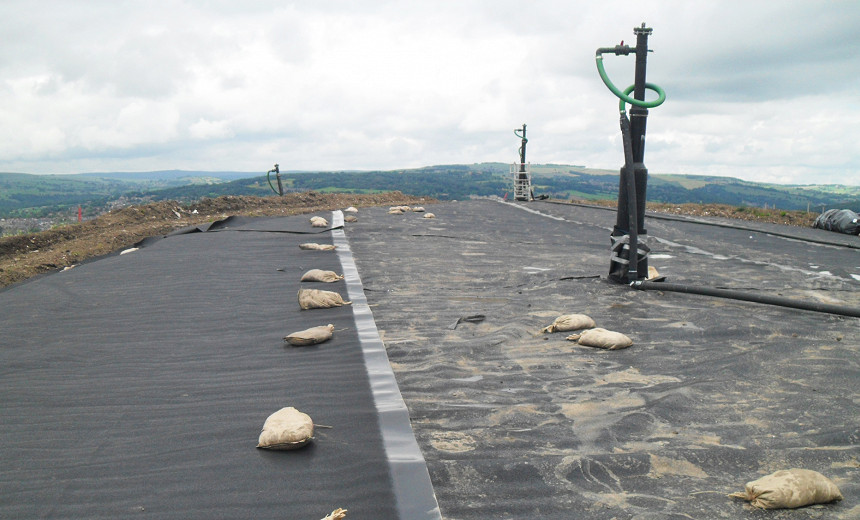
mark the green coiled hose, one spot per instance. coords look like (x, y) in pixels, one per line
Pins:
(624, 96)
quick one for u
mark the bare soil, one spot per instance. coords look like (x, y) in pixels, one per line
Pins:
(25, 256)
(774, 216)
(28, 255)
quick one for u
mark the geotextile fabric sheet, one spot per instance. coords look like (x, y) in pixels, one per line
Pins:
(138, 385)
(516, 423)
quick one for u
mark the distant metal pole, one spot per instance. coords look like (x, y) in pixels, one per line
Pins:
(277, 171)
(522, 147)
(278, 176)
(522, 183)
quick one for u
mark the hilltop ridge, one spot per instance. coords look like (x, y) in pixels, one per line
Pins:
(23, 256)
(25, 195)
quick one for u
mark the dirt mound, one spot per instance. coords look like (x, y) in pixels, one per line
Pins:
(24, 256)
(774, 216)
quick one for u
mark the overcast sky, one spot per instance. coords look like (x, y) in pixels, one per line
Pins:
(764, 91)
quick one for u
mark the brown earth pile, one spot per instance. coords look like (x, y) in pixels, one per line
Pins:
(24, 256)
(774, 216)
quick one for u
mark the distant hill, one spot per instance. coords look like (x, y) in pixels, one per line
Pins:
(39, 195)
(27, 195)
(171, 177)
(443, 182)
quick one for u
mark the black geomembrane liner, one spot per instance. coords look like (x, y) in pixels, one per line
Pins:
(139, 384)
(713, 393)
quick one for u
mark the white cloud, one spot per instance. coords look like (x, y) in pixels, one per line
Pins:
(754, 92)
(205, 129)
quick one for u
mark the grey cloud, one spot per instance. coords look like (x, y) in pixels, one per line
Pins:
(386, 84)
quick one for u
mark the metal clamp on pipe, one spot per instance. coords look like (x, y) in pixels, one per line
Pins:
(617, 50)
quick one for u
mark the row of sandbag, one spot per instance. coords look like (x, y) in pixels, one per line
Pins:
(289, 428)
(785, 489)
(400, 210)
(322, 222)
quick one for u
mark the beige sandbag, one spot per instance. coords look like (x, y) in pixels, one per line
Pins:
(601, 338)
(317, 299)
(568, 322)
(311, 336)
(311, 246)
(395, 211)
(337, 514)
(318, 275)
(351, 209)
(788, 489)
(350, 218)
(418, 209)
(429, 215)
(286, 429)
(319, 222)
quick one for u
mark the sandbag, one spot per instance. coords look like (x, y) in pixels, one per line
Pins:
(601, 338)
(568, 322)
(839, 220)
(318, 275)
(429, 215)
(317, 299)
(395, 211)
(311, 336)
(311, 246)
(789, 489)
(418, 209)
(337, 514)
(286, 429)
(319, 222)
(350, 218)
(351, 209)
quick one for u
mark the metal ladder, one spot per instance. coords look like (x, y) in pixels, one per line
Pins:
(521, 173)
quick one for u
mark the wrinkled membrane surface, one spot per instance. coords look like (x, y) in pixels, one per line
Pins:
(713, 393)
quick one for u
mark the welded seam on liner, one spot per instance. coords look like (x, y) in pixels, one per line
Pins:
(410, 477)
(693, 220)
(546, 215)
(536, 212)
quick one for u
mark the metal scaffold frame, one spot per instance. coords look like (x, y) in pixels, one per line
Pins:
(521, 173)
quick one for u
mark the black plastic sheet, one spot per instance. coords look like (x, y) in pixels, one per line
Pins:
(712, 394)
(138, 384)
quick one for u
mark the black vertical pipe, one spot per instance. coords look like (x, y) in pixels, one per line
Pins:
(638, 119)
(630, 187)
(523, 150)
(632, 201)
(280, 185)
(638, 114)
(278, 177)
